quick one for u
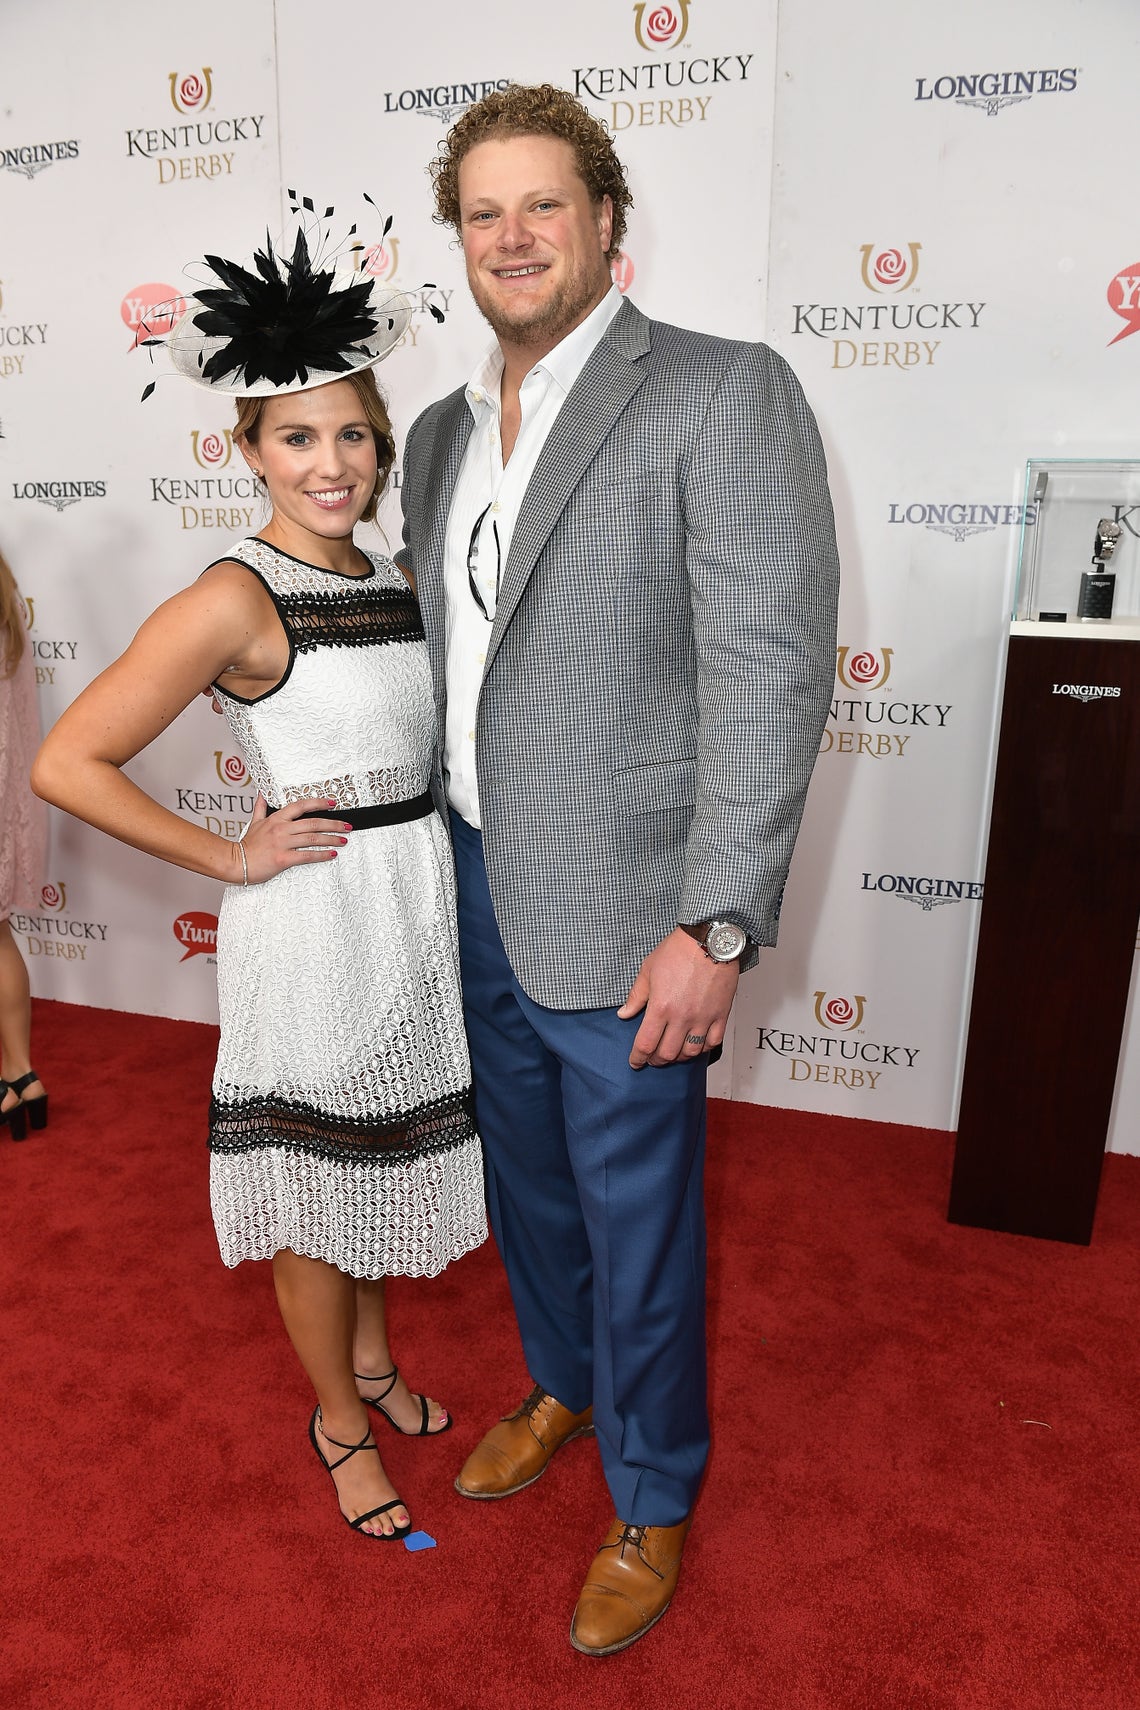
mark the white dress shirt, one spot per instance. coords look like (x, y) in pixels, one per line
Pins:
(484, 484)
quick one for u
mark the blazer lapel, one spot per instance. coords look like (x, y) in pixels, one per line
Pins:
(608, 381)
(450, 442)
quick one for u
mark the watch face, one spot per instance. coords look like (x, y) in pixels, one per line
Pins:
(725, 941)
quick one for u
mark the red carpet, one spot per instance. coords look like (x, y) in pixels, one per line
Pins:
(924, 1491)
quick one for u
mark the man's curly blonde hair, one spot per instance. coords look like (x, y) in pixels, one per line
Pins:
(535, 110)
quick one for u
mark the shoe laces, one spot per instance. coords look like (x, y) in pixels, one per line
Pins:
(634, 1535)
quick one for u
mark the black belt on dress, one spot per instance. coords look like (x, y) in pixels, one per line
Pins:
(381, 813)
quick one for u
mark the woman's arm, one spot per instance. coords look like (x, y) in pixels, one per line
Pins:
(225, 622)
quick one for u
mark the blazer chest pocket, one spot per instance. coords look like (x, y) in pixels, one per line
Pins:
(654, 789)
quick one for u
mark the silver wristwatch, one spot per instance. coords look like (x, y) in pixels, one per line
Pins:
(721, 940)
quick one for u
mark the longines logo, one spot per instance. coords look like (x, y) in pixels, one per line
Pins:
(659, 26)
(197, 934)
(36, 157)
(442, 101)
(59, 494)
(927, 894)
(990, 91)
(1087, 691)
(173, 147)
(52, 933)
(962, 520)
(885, 271)
(666, 26)
(840, 1055)
(868, 670)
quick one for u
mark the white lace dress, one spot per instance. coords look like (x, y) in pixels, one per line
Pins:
(341, 1122)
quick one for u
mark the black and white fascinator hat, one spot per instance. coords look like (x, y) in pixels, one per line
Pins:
(288, 321)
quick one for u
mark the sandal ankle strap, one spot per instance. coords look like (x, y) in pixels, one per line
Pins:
(19, 1085)
(353, 1448)
(393, 1375)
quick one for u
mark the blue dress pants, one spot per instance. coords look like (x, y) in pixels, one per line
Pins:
(595, 1196)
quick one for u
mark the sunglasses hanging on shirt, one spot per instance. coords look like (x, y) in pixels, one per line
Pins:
(473, 563)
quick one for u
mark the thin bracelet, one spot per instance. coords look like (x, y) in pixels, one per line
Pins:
(240, 847)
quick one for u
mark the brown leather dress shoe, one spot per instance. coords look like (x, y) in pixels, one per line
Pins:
(629, 1586)
(517, 1450)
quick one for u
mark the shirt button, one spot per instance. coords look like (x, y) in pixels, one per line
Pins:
(477, 394)
(482, 658)
(470, 736)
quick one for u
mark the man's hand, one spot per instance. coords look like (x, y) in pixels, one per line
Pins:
(686, 997)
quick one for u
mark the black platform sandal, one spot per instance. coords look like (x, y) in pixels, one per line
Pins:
(331, 1466)
(17, 1117)
(376, 1401)
(36, 1109)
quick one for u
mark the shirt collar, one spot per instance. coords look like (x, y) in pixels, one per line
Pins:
(563, 364)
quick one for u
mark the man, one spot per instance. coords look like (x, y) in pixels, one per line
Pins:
(624, 549)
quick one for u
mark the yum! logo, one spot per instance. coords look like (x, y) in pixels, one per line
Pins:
(150, 311)
(864, 670)
(191, 92)
(843, 1014)
(1124, 300)
(889, 269)
(664, 25)
(621, 271)
(197, 933)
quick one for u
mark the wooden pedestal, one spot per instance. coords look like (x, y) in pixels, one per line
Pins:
(1057, 936)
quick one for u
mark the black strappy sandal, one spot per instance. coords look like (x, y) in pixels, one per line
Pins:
(331, 1466)
(16, 1118)
(376, 1401)
(34, 1110)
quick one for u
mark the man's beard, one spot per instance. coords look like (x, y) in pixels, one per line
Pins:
(569, 305)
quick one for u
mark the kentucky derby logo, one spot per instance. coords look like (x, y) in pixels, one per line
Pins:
(889, 269)
(54, 897)
(1124, 300)
(230, 768)
(197, 933)
(839, 1012)
(864, 670)
(212, 450)
(190, 94)
(380, 260)
(661, 26)
(150, 311)
(621, 271)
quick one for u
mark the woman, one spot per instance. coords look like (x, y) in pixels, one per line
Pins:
(340, 1130)
(22, 1095)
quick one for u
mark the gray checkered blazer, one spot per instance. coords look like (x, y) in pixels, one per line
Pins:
(662, 657)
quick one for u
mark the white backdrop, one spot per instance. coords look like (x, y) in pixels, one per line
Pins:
(923, 208)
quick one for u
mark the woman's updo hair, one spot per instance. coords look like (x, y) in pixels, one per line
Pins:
(363, 382)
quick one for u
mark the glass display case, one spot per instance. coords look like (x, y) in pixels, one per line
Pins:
(1079, 555)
